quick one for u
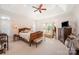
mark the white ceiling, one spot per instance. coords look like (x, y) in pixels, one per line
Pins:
(26, 10)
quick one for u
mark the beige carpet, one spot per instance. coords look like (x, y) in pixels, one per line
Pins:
(47, 47)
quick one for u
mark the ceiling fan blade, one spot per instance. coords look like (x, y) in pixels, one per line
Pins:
(34, 7)
(40, 5)
(36, 10)
(40, 11)
(43, 9)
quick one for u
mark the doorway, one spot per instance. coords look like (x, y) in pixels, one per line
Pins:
(5, 26)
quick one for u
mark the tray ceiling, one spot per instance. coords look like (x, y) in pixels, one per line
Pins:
(26, 10)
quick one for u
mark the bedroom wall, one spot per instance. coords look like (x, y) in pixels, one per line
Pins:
(76, 19)
(23, 22)
(20, 22)
(54, 20)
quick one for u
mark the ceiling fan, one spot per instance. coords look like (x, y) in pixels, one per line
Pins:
(39, 8)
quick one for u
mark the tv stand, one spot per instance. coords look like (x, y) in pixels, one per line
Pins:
(63, 33)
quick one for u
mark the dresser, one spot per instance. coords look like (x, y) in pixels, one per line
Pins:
(63, 33)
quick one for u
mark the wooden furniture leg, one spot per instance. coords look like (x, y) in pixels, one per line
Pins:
(7, 43)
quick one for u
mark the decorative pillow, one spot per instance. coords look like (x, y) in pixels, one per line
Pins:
(26, 31)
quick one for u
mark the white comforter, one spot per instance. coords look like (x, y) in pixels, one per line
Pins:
(25, 35)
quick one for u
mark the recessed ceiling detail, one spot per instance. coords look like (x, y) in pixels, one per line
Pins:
(27, 10)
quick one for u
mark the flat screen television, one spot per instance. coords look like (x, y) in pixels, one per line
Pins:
(65, 24)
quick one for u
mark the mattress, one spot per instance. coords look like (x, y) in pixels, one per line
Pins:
(25, 35)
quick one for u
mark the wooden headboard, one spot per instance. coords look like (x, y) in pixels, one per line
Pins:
(23, 29)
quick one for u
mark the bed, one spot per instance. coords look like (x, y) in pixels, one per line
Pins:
(27, 35)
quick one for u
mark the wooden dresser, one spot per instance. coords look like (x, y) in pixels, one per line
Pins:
(63, 33)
